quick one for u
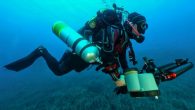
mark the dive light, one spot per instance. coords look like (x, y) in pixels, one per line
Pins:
(141, 85)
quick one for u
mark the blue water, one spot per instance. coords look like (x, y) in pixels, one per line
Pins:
(26, 24)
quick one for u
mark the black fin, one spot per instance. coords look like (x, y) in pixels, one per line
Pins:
(24, 62)
(19, 64)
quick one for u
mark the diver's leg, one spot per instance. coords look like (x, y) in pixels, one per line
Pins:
(78, 63)
(71, 61)
(24, 62)
(63, 66)
(52, 63)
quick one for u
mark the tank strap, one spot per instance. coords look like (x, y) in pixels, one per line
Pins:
(76, 42)
(108, 39)
(88, 45)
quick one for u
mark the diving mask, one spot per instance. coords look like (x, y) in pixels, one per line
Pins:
(136, 34)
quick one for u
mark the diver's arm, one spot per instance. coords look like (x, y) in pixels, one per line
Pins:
(85, 31)
(122, 58)
(112, 70)
(109, 17)
(103, 19)
(115, 75)
(123, 62)
(92, 26)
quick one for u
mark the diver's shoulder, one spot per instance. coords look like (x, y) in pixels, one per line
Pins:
(106, 12)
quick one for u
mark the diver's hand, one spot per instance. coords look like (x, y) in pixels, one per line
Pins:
(121, 86)
(119, 83)
(134, 61)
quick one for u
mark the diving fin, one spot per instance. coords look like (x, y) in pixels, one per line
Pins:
(26, 61)
(19, 64)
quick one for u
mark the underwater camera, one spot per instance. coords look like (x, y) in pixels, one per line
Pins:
(145, 83)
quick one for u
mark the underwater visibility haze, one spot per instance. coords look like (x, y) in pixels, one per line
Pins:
(27, 24)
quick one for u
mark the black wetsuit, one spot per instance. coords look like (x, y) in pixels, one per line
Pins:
(101, 31)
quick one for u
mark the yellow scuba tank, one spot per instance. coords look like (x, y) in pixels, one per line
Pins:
(80, 45)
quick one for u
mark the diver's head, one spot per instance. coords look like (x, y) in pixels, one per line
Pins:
(135, 26)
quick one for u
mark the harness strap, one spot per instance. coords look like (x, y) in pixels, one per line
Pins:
(132, 54)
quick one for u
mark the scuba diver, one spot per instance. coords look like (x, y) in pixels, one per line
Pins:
(110, 31)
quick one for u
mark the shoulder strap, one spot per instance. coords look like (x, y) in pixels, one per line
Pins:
(132, 56)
